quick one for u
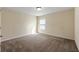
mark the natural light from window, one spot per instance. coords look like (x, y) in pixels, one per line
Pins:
(42, 24)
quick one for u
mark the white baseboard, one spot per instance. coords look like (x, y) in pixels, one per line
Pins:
(13, 37)
(58, 36)
(24, 35)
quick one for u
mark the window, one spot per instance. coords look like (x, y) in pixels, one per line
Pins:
(42, 24)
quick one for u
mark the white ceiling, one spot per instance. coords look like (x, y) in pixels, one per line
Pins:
(32, 11)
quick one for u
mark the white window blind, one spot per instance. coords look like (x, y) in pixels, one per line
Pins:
(42, 24)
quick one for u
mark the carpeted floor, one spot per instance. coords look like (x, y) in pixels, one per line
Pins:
(39, 43)
(0, 48)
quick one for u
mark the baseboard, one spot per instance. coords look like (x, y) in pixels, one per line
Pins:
(13, 37)
(26, 35)
(57, 36)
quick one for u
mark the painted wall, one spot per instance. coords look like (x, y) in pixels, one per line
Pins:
(59, 24)
(15, 24)
(77, 27)
(0, 30)
(0, 25)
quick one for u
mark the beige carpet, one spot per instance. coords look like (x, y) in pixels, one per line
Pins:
(39, 43)
(0, 48)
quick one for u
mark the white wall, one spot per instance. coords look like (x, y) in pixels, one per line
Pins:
(0, 25)
(15, 24)
(0, 30)
(77, 27)
(59, 24)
